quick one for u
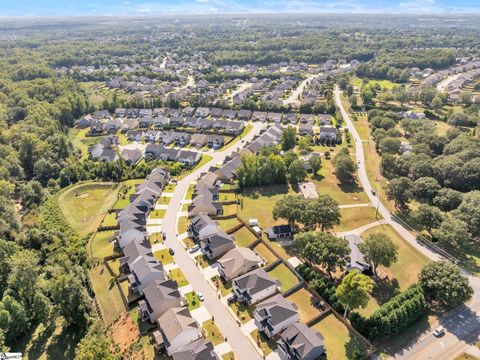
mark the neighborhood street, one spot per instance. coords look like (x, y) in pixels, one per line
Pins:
(231, 331)
(462, 325)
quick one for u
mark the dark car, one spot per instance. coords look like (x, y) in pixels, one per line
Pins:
(171, 251)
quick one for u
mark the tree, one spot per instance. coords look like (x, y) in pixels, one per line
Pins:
(388, 165)
(296, 171)
(400, 191)
(469, 211)
(379, 249)
(95, 345)
(321, 212)
(426, 188)
(289, 138)
(17, 322)
(301, 240)
(448, 199)
(344, 166)
(23, 275)
(428, 216)
(315, 164)
(328, 251)
(354, 290)
(290, 208)
(444, 284)
(389, 145)
(452, 233)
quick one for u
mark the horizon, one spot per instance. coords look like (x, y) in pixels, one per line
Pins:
(139, 8)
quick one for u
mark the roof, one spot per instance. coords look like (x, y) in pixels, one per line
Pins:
(303, 339)
(255, 281)
(276, 309)
(236, 259)
(161, 290)
(197, 350)
(308, 190)
(357, 259)
(133, 250)
(146, 265)
(175, 321)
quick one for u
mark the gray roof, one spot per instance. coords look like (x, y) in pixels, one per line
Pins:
(276, 309)
(161, 290)
(301, 340)
(197, 350)
(145, 265)
(357, 260)
(255, 281)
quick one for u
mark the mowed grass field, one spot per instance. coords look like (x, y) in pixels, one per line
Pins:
(352, 218)
(85, 205)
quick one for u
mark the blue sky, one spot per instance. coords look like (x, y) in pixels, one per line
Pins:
(139, 7)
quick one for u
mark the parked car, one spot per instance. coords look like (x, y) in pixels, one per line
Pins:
(194, 248)
(171, 251)
(374, 193)
(439, 331)
(231, 299)
(200, 297)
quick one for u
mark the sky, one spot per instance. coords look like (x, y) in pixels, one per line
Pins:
(152, 7)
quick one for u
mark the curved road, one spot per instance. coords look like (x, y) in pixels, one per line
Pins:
(238, 341)
(462, 325)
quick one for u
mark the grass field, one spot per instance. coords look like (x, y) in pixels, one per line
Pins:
(110, 219)
(306, 309)
(178, 276)
(265, 253)
(100, 244)
(244, 314)
(283, 274)
(157, 214)
(344, 194)
(224, 287)
(230, 209)
(339, 342)
(352, 218)
(263, 342)
(85, 205)
(107, 293)
(257, 203)
(124, 200)
(227, 224)
(163, 256)
(227, 197)
(212, 333)
(182, 224)
(228, 356)
(244, 237)
(192, 300)
(361, 125)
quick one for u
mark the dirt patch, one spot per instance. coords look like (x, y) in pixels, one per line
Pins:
(84, 195)
(124, 332)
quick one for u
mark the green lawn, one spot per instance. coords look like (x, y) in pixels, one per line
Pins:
(212, 333)
(85, 205)
(227, 224)
(244, 237)
(155, 238)
(265, 253)
(283, 274)
(339, 341)
(224, 287)
(227, 196)
(263, 342)
(110, 219)
(190, 190)
(361, 125)
(192, 300)
(258, 202)
(352, 218)
(124, 197)
(303, 299)
(157, 214)
(107, 293)
(203, 261)
(245, 131)
(244, 314)
(231, 209)
(178, 276)
(182, 224)
(100, 245)
(163, 256)
(228, 356)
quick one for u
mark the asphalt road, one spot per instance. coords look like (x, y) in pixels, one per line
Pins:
(238, 341)
(462, 325)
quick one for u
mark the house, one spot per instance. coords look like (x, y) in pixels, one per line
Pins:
(182, 139)
(259, 116)
(197, 350)
(188, 111)
(279, 231)
(307, 119)
(245, 114)
(166, 137)
(204, 124)
(234, 127)
(199, 140)
(135, 135)
(131, 113)
(329, 135)
(144, 270)
(229, 114)
(145, 122)
(189, 158)
(160, 122)
(177, 328)
(132, 251)
(216, 243)
(129, 124)
(254, 286)
(202, 112)
(305, 129)
(96, 128)
(299, 342)
(324, 119)
(85, 122)
(216, 141)
(238, 261)
(290, 118)
(216, 113)
(152, 135)
(176, 121)
(113, 125)
(169, 154)
(145, 112)
(357, 260)
(160, 296)
(153, 151)
(173, 112)
(102, 114)
(120, 112)
(274, 117)
(275, 314)
(131, 156)
(205, 203)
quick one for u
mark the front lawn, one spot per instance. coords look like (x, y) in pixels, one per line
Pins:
(204, 261)
(84, 205)
(212, 333)
(244, 314)
(163, 256)
(157, 214)
(258, 202)
(283, 274)
(192, 300)
(177, 275)
(267, 345)
(303, 299)
(243, 237)
(228, 356)
(340, 343)
(155, 238)
(224, 287)
(182, 224)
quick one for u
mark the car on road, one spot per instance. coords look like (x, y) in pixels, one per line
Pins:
(171, 251)
(200, 297)
(194, 248)
(439, 331)
(374, 193)
(358, 162)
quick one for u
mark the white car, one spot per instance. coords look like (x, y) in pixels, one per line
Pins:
(439, 331)
(194, 249)
(200, 297)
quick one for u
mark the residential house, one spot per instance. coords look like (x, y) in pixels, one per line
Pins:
(132, 251)
(229, 114)
(199, 140)
(216, 113)
(152, 135)
(279, 232)
(275, 314)
(188, 111)
(215, 244)
(145, 112)
(176, 121)
(177, 328)
(197, 350)
(181, 138)
(160, 122)
(329, 135)
(299, 342)
(131, 113)
(144, 270)
(234, 127)
(129, 124)
(254, 286)
(215, 141)
(135, 135)
(202, 112)
(131, 156)
(145, 122)
(245, 114)
(120, 112)
(189, 158)
(85, 122)
(238, 261)
(259, 116)
(169, 154)
(357, 260)
(113, 125)
(160, 296)
(153, 151)
(305, 129)
(290, 118)
(96, 128)
(102, 115)
(324, 119)
(274, 117)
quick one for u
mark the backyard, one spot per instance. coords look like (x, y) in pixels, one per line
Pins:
(265, 253)
(303, 299)
(243, 237)
(100, 245)
(354, 217)
(283, 274)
